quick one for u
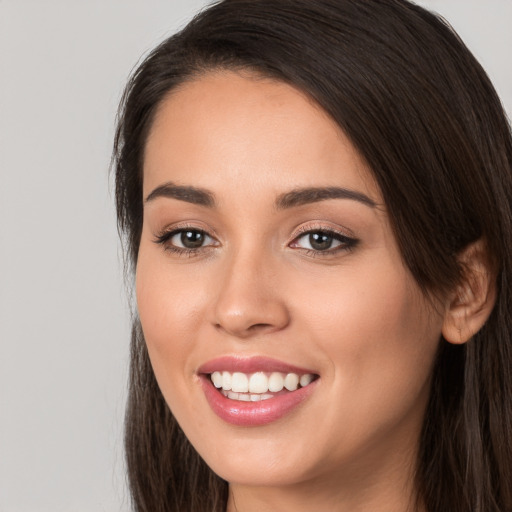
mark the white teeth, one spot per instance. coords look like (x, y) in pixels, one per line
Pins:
(291, 381)
(276, 382)
(226, 381)
(240, 382)
(245, 397)
(257, 386)
(258, 383)
(306, 379)
(217, 379)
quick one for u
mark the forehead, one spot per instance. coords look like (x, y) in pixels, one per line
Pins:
(241, 126)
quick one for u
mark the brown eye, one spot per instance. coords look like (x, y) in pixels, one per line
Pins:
(190, 239)
(185, 239)
(323, 241)
(320, 241)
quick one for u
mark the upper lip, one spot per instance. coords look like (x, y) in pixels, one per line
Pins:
(251, 364)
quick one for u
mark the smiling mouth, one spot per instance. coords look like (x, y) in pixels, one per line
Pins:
(255, 391)
(258, 386)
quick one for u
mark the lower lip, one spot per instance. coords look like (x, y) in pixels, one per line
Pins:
(253, 414)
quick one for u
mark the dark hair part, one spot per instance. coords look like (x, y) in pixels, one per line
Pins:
(424, 115)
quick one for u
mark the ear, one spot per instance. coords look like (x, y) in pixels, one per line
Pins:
(471, 303)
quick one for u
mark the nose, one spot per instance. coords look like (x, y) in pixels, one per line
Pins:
(250, 300)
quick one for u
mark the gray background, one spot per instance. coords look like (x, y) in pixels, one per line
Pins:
(64, 317)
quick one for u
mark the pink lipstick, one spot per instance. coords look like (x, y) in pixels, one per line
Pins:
(254, 391)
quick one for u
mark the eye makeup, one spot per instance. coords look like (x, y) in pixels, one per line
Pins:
(313, 240)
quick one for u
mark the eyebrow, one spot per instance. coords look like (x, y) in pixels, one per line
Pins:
(297, 197)
(302, 196)
(183, 193)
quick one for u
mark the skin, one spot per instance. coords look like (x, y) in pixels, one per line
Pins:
(354, 315)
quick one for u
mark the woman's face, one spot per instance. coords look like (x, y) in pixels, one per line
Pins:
(267, 258)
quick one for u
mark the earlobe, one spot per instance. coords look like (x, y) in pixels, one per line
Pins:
(471, 303)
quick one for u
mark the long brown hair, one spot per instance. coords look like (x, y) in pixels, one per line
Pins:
(422, 112)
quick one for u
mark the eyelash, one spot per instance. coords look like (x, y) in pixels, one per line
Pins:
(164, 238)
(346, 243)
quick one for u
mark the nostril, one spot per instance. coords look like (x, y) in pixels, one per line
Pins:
(246, 331)
(257, 327)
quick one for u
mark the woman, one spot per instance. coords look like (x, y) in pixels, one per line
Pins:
(316, 198)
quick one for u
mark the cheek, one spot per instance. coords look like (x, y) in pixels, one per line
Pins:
(169, 301)
(169, 304)
(366, 305)
(378, 335)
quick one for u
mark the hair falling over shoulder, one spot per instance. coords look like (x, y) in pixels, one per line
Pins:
(425, 117)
